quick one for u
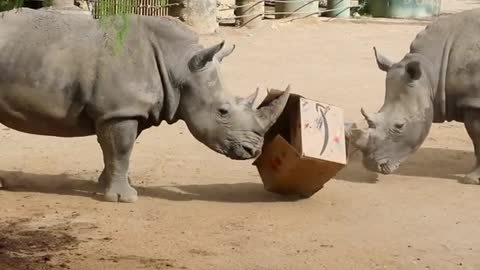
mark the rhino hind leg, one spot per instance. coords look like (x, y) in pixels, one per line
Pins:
(472, 124)
(116, 139)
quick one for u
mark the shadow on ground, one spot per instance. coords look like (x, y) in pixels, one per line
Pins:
(427, 162)
(64, 184)
(440, 163)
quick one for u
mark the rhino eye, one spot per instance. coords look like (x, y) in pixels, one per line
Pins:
(223, 111)
(399, 126)
(371, 124)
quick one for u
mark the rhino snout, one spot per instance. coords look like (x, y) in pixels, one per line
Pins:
(243, 152)
(384, 166)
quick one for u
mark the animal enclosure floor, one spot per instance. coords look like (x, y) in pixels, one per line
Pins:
(198, 210)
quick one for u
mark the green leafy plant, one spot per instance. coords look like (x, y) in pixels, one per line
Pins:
(364, 7)
(10, 4)
(118, 24)
(111, 14)
(115, 13)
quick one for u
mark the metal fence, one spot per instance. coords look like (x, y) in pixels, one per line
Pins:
(102, 8)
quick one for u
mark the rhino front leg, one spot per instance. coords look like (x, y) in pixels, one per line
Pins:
(472, 124)
(102, 180)
(116, 139)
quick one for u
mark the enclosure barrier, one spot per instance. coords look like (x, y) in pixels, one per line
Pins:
(202, 15)
(102, 8)
(199, 14)
(249, 12)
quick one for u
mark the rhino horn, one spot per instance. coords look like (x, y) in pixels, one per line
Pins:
(369, 118)
(356, 136)
(268, 115)
(250, 100)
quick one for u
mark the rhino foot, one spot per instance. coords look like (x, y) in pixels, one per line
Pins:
(119, 192)
(472, 178)
(102, 181)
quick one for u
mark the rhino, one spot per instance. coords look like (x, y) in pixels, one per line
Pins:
(61, 76)
(437, 81)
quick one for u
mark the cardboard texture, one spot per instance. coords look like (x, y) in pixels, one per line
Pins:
(304, 149)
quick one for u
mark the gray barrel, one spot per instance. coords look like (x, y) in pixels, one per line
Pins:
(249, 13)
(295, 8)
(340, 8)
(404, 9)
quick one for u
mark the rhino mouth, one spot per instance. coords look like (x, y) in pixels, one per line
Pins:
(243, 152)
(387, 168)
(381, 166)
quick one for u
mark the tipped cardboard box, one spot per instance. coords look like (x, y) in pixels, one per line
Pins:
(304, 149)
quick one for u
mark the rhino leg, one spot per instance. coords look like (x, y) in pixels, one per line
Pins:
(472, 124)
(116, 139)
(102, 180)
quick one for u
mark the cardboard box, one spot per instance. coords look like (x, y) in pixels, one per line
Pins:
(304, 149)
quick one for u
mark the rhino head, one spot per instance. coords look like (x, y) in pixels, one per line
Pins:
(226, 124)
(401, 125)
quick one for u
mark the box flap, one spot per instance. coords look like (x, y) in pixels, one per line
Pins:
(277, 147)
(273, 94)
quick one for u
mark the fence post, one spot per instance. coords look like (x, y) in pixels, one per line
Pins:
(201, 15)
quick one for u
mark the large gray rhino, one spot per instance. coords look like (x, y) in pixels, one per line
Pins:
(59, 76)
(437, 81)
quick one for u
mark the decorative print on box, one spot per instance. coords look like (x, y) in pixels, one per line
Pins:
(322, 136)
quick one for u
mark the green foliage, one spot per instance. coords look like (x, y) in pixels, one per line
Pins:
(47, 3)
(10, 4)
(365, 7)
(115, 13)
(111, 14)
(119, 25)
(121, 7)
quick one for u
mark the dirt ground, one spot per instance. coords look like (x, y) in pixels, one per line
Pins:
(199, 210)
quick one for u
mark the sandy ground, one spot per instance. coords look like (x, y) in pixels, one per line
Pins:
(199, 210)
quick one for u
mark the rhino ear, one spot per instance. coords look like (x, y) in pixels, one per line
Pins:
(202, 57)
(224, 53)
(383, 63)
(413, 70)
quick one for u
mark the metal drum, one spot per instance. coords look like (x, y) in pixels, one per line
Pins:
(295, 8)
(404, 8)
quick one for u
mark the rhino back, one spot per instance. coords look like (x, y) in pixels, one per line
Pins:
(59, 75)
(463, 72)
(451, 43)
(145, 79)
(46, 72)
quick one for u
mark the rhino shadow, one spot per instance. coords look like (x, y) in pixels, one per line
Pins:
(246, 192)
(64, 184)
(440, 163)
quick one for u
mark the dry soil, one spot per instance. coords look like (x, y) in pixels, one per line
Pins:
(199, 210)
